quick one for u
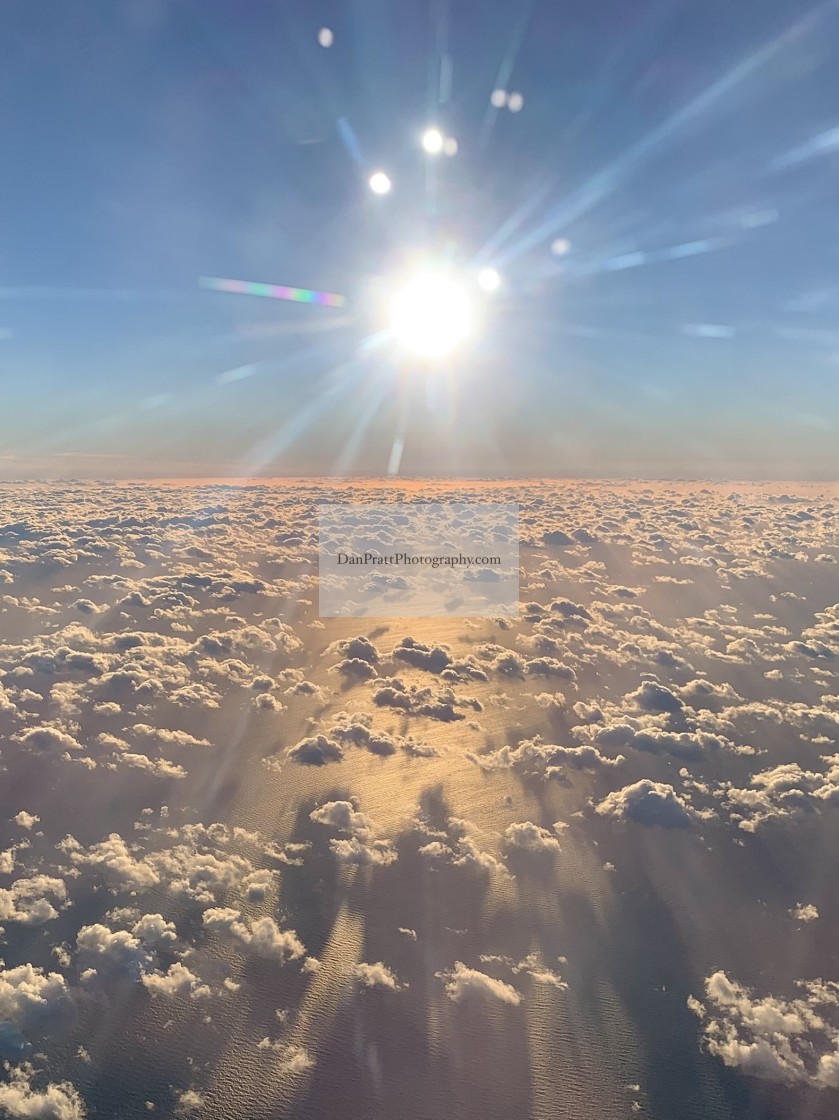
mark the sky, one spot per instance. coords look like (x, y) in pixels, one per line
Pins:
(661, 211)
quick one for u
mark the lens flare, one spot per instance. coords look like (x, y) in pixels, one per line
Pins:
(380, 183)
(431, 314)
(489, 280)
(271, 291)
(433, 141)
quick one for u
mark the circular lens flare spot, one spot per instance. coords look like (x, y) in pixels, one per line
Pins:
(432, 141)
(489, 279)
(380, 183)
(431, 315)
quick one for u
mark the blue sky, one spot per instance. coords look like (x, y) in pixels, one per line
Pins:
(686, 152)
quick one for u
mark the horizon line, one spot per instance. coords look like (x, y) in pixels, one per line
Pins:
(241, 480)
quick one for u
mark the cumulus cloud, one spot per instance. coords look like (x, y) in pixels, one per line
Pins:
(33, 901)
(26, 820)
(462, 845)
(26, 1096)
(804, 912)
(189, 1100)
(32, 1003)
(344, 816)
(48, 739)
(261, 936)
(439, 704)
(114, 859)
(655, 697)
(433, 659)
(532, 965)
(317, 750)
(293, 1058)
(648, 803)
(114, 949)
(525, 836)
(377, 975)
(359, 648)
(178, 980)
(356, 730)
(116, 674)
(792, 1040)
(654, 740)
(462, 983)
(169, 738)
(198, 866)
(362, 848)
(782, 792)
(356, 667)
(535, 758)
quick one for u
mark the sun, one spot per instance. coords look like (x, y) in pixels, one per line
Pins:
(431, 314)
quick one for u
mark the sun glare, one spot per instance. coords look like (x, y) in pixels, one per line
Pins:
(431, 314)
(433, 141)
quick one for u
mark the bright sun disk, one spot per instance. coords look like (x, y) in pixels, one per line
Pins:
(433, 141)
(431, 314)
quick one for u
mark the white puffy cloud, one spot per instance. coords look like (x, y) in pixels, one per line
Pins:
(317, 750)
(24, 1098)
(48, 739)
(179, 645)
(197, 866)
(293, 1057)
(782, 792)
(113, 949)
(189, 1100)
(154, 929)
(804, 912)
(113, 859)
(462, 982)
(648, 803)
(26, 820)
(534, 967)
(361, 854)
(793, 1040)
(525, 836)
(178, 980)
(169, 738)
(344, 816)
(377, 975)
(533, 757)
(158, 766)
(33, 901)
(462, 845)
(32, 1002)
(261, 936)
(362, 848)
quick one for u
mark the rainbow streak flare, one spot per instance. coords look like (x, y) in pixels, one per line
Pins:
(272, 291)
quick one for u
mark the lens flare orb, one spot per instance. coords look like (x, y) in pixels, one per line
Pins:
(433, 141)
(489, 279)
(380, 183)
(431, 314)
